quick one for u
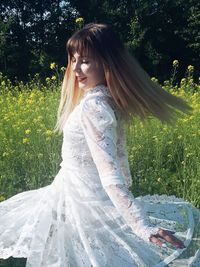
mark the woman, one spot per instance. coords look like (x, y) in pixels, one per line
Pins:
(88, 216)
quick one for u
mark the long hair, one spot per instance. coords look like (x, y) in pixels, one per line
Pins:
(131, 88)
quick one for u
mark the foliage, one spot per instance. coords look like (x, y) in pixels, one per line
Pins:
(163, 159)
(34, 33)
(30, 150)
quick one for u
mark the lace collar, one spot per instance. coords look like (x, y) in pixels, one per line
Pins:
(98, 88)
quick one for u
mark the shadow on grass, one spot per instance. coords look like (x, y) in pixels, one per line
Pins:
(13, 262)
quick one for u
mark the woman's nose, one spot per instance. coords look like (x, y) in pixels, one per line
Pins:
(75, 66)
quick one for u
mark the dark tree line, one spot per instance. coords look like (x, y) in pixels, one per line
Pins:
(34, 33)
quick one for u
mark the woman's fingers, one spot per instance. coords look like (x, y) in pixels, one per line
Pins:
(156, 241)
(168, 237)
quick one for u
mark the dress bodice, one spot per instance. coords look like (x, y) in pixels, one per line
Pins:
(75, 150)
(95, 145)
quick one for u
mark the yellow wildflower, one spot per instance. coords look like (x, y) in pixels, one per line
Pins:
(28, 131)
(49, 133)
(32, 95)
(175, 63)
(79, 20)
(2, 198)
(154, 79)
(183, 80)
(52, 65)
(190, 68)
(47, 79)
(53, 77)
(5, 154)
(62, 69)
(30, 101)
(25, 141)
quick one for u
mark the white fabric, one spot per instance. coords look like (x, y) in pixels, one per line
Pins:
(87, 217)
(100, 129)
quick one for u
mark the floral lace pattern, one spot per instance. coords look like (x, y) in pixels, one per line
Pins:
(100, 129)
(87, 217)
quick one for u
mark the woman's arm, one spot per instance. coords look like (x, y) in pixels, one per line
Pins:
(100, 128)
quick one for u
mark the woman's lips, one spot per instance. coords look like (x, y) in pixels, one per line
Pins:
(81, 79)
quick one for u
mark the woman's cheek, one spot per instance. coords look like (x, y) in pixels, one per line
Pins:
(86, 69)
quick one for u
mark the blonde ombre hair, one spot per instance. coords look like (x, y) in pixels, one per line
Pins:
(131, 88)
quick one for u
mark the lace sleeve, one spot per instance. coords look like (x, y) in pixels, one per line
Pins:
(99, 126)
(123, 157)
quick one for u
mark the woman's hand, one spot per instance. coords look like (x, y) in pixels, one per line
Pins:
(167, 236)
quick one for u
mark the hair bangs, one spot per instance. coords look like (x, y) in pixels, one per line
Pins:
(82, 44)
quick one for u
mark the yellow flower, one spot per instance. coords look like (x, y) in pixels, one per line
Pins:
(47, 79)
(190, 68)
(158, 179)
(79, 20)
(175, 63)
(2, 198)
(154, 79)
(30, 101)
(5, 154)
(28, 131)
(25, 141)
(32, 95)
(49, 133)
(62, 69)
(52, 65)
(53, 77)
(183, 80)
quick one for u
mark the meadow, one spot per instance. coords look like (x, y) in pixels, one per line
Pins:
(164, 159)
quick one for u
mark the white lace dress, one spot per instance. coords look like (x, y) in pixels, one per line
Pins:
(87, 217)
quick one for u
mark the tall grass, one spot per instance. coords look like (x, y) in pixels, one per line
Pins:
(163, 159)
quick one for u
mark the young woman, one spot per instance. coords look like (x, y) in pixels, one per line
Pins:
(88, 216)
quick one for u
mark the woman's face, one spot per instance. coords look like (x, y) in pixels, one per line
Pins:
(88, 71)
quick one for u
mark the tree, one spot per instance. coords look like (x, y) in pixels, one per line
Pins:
(33, 34)
(156, 32)
(162, 31)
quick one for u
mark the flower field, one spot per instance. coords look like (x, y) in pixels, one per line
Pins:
(164, 159)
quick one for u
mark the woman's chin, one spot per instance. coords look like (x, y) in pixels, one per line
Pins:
(82, 85)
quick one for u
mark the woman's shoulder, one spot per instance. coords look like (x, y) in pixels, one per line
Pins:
(98, 100)
(96, 97)
(98, 90)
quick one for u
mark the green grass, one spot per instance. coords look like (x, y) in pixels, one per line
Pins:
(163, 159)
